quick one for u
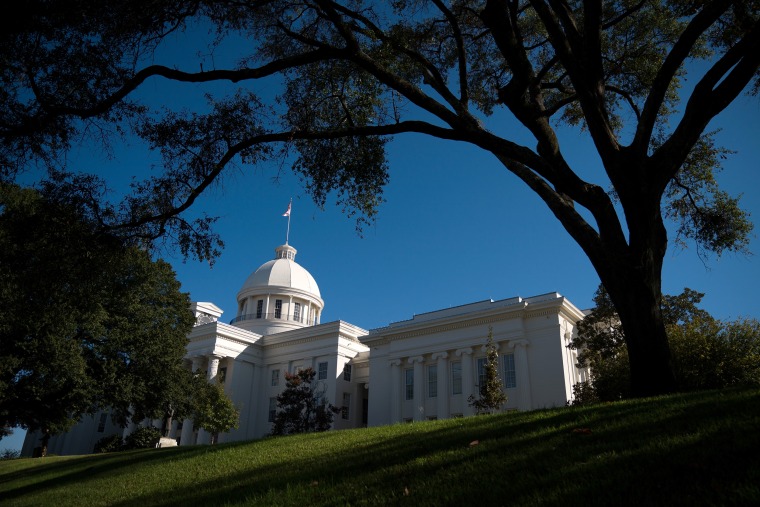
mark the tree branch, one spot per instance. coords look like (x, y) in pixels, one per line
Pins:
(665, 75)
(461, 55)
(720, 85)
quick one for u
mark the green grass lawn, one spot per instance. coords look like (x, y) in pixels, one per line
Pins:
(690, 449)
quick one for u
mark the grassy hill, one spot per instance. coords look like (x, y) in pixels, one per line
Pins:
(688, 449)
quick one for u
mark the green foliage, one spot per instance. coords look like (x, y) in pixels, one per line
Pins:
(711, 354)
(110, 443)
(708, 353)
(491, 395)
(299, 409)
(7, 454)
(144, 437)
(212, 408)
(89, 321)
(349, 76)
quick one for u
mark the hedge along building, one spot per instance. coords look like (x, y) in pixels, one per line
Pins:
(422, 368)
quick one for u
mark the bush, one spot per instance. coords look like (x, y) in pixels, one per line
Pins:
(110, 443)
(9, 454)
(143, 437)
(710, 354)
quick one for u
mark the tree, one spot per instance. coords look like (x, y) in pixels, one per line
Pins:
(491, 393)
(299, 408)
(708, 353)
(213, 410)
(88, 322)
(355, 74)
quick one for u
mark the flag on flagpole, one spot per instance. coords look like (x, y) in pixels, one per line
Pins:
(287, 213)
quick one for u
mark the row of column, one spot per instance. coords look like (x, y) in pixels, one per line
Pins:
(249, 308)
(441, 360)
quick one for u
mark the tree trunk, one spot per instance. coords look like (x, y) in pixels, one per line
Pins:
(633, 280)
(650, 360)
(632, 276)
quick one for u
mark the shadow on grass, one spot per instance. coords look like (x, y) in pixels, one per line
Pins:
(684, 452)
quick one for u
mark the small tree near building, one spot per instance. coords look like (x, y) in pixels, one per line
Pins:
(213, 410)
(491, 393)
(299, 409)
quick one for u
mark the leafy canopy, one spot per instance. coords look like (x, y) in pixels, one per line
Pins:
(88, 323)
(504, 76)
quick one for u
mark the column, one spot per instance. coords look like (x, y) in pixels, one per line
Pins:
(419, 383)
(524, 401)
(213, 367)
(468, 380)
(442, 404)
(395, 365)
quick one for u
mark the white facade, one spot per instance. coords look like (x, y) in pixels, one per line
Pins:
(422, 368)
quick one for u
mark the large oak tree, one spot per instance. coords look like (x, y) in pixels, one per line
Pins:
(354, 73)
(88, 322)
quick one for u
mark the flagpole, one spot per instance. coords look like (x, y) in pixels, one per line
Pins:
(287, 234)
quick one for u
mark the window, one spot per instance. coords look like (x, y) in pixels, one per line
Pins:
(432, 381)
(259, 308)
(297, 312)
(510, 377)
(409, 383)
(322, 371)
(272, 409)
(221, 375)
(102, 423)
(275, 377)
(456, 377)
(482, 377)
(347, 372)
(346, 405)
(278, 308)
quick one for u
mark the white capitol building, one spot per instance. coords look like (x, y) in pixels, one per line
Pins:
(412, 370)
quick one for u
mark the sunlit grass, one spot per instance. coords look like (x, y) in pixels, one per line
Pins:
(694, 449)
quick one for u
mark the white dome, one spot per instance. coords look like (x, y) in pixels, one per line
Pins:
(279, 296)
(282, 273)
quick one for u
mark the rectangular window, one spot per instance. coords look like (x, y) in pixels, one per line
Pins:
(259, 308)
(346, 405)
(297, 312)
(510, 376)
(322, 371)
(102, 423)
(222, 374)
(347, 372)
(275, 377)
(409, 383)
(456, 378)
(432, 381)
(481, 372)
(278, 308)
(272, 409)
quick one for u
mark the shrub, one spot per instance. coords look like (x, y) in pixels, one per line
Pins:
(110, 443)
(143, 437)
(9, 454)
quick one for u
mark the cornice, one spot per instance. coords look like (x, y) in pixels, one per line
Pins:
(383, 339)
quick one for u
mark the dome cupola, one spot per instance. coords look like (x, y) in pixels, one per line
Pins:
(279, 296)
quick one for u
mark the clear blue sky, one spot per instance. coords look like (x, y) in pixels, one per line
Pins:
(456, 228)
